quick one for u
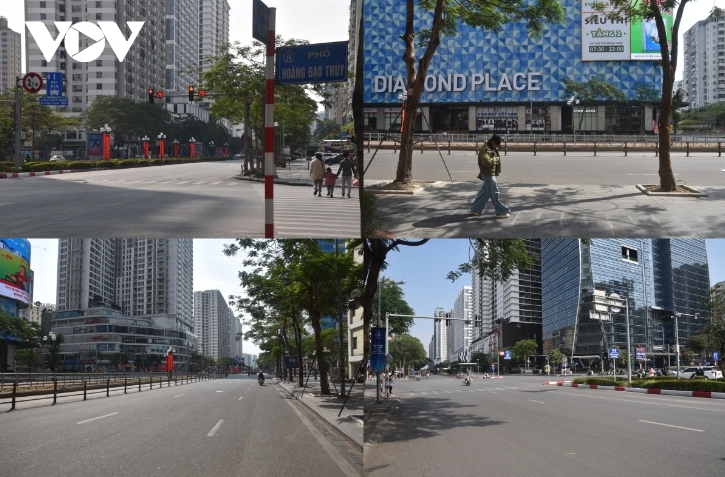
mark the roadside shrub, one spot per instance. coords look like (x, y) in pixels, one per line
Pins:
(601, 381)
(687, 385)
(155, 162)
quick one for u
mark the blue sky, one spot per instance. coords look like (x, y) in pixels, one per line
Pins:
(424, 271)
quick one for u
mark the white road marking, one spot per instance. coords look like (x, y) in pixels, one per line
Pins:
(240, 398)
(670, 425)
(435, 392)
(194, 183)
(231, 184)
(448, 392)
(183, 182)
(215, 428)
(179, 395)
(459, 390)
(540, 402)
(99, 417)
(215, 183)
(424, 393)
(220, 391)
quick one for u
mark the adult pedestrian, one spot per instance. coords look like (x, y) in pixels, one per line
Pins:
(348, 170)
(317, 172)
(489, 165)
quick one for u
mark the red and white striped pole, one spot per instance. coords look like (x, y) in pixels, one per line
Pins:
(269, 132)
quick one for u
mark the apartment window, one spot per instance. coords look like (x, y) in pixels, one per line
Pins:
(98, 4)
(99, 16)
(78, 77)
(99, 74)
(99, 85)
(629, 254)
(76, 9)
(99, 62)
(42, 4)
(77, 66)
(77, 88)
(42, 16)
(43, 63)
(62, 66)
(77, 99)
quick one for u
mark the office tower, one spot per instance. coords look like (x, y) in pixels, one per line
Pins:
(143, 67)
(213, 321)
(10, 59)
(440, 335)
(703, 71)
(658, 277)
(86, 273)
(461, 327)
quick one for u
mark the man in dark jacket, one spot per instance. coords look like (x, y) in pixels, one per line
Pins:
(489, 164)
(347, 168)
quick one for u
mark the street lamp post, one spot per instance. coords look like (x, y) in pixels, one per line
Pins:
(212, 151)
(162, 145)
(192, 142)
(145, 140)
(571, 102)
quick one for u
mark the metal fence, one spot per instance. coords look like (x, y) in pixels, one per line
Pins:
(517, 138)
(26, 387)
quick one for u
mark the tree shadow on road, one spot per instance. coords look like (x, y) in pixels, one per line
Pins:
(418, 418)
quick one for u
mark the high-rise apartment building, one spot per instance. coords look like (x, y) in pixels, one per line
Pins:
(703, 70)
(143, 67)
(509, 311)
(440, 338)
(10, 59)
(213, 29)
(86, 273)
(461, 327)
(658, 277)
(214, 324)
(356, 13)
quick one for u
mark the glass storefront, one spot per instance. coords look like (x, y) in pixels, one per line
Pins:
(453, 118)
(497, 118)
(370, 120)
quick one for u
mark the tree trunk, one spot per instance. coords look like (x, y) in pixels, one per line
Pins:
(314, 312)
(415, 82)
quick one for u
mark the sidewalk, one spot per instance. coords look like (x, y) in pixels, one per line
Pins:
(377, 414)
(349, 424)
(537, 210)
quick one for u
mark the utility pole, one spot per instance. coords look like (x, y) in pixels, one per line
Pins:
(341, 367)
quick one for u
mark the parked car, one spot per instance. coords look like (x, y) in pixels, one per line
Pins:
(337, 159)
(708, 371)
(57, 158)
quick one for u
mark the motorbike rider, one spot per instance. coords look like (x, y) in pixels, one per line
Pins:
(260, 376)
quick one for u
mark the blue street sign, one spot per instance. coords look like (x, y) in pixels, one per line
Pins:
(493, 366)
(53, 101)
(54, 85)
(377, 350)
(343, 134)
(291, 362)
(319, 63)
(507, 354)
(614, 353)
(260, 21)
(715, 356)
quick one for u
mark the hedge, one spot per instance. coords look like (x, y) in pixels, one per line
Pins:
(40, 166)
(663, 382)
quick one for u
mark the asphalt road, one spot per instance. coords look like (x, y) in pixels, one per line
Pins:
(224, 427)
(607, 168)
(184, 200)
(515, 426)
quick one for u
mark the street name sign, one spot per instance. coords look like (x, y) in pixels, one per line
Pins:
(53, 101)
(260, 21)
(318, 63)
(614, 353)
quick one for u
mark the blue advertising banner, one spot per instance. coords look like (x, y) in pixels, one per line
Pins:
(318, 63)
(377, 350)
(291, 362)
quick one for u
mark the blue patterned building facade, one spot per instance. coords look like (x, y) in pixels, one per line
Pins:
(483, 81)
(658, 277)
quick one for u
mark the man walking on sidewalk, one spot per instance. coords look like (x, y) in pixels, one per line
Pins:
(317, 172)
(347, 167)
(489, 164)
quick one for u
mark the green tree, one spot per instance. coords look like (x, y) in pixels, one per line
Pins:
(392, 300)
(312, 271)
(591, 92)
(53, 349)
(556, 357)
(523, 349)
(635, 10)
(711, 337)
(407, 351)
(496, 259)
(483, 360)
(645, 95)
(326, 128)
(447, 15)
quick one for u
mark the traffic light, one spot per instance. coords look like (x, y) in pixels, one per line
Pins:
(191, 93)
(448, 322)
(151, 96)
(160, 94)
(202, 93)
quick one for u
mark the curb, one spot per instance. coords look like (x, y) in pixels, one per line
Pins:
(693, 192)
(666, 392)
(283, 181)
(16, 175)
(319, 416)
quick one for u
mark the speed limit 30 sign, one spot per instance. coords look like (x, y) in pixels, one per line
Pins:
(32, 82)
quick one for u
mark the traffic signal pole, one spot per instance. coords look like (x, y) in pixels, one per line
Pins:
(269, 131)
(18, 128)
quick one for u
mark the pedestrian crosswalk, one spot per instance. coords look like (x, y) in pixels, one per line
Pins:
(492, 390)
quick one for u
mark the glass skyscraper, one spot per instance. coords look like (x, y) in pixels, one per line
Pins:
(658, 277)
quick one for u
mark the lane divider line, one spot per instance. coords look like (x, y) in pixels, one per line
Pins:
(99, 417)
(179, 395)
(540, 402)
(240, 398)
(670, 425)
(215, 428)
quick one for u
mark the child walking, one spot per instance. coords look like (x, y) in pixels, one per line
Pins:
(330, 178)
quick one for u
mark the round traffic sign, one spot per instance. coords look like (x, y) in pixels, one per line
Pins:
(32, 82)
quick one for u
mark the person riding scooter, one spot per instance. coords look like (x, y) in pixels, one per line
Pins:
(467, 380)
(260, 378)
